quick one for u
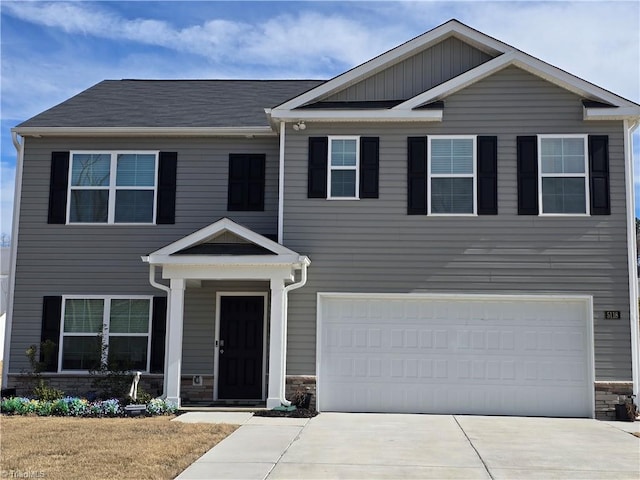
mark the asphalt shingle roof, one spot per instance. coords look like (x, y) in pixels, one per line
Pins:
(172, 103)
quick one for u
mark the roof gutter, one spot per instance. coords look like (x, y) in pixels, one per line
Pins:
(17, 195)
(248, 132)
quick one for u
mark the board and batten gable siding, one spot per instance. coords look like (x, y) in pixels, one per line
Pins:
(416, 74)
(372, 245)
(105, 259)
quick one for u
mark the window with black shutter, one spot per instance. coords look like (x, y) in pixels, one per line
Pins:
(343, 167)
(566, 174)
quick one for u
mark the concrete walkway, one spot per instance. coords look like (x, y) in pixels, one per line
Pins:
(377, 446)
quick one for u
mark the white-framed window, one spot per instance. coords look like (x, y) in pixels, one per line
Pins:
(563, 187)
(112, 187)
(452, 175)
(98, 329)
(344, 165)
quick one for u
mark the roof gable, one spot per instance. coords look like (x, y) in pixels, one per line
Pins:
(224, 232)
(418, 73)
(411, 109)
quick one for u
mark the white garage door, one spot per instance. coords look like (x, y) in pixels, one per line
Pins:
(485, 355)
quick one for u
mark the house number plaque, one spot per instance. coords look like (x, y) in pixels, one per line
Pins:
(612, 314)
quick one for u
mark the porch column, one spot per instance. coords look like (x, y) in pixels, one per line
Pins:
(276, 344)
(174, 351)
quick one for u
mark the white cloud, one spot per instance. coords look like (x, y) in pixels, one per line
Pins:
(310, 38)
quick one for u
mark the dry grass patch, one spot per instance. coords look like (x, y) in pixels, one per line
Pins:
(104, 448)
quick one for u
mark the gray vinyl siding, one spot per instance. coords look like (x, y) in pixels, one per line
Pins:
(372, 245)
(416, 74)
(199, 322)
(105, 259)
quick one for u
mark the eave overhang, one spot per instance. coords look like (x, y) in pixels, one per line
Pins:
(227, 261)
(614, 113)
(256, 131)
(365, 115)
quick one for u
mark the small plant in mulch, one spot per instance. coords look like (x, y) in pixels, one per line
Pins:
(296, 413)
(300, 407)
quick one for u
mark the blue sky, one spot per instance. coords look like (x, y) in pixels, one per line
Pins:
(53, 50)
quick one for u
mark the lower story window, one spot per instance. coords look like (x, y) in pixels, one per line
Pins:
(105, 330)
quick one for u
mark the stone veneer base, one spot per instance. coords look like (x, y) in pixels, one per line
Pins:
(607, 394)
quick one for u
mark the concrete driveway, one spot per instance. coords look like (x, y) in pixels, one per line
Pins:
(377, 446)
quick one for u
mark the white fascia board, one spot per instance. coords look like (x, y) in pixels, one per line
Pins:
(620, 113)
(225, 260)
(224, 224)
(568, 81)
(453, 27)
(461, 81)
(228, 272)
(367, 115)
(257, 131)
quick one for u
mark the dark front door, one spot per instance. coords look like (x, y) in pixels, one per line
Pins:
(240, 348)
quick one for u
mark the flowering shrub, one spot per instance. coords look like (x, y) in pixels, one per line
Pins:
(157, 406)
(109, 408)
(78, 407)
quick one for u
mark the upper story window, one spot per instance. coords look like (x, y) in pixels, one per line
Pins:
(99, 330)
(343, 167)
(112, 187)
(246, 182)
(564, 174)
(344, 164)
(452, 175)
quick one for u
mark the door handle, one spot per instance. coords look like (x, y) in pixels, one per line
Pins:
(221, 351)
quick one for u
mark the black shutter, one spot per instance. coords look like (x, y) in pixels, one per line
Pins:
(369, 166)
(317, 175)
(487, 175)
(599, 174)
(527, 175)
(158, 334)
(166, 200)
(417, 188)
(58, 184)
(246, 182)
(51, 318)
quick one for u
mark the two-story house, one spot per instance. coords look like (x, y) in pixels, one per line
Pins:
(446, 228)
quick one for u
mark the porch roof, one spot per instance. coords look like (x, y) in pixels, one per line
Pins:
(247, 247)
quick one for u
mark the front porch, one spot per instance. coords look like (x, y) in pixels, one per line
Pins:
(226, 315)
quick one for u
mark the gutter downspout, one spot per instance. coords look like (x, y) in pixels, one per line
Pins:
(17, 194)
(283, 128)
(632, 259)
(164, 288)
(305, 262)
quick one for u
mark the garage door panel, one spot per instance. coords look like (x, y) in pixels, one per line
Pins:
(488, 357)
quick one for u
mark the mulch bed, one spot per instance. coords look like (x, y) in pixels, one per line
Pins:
(297, 413)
